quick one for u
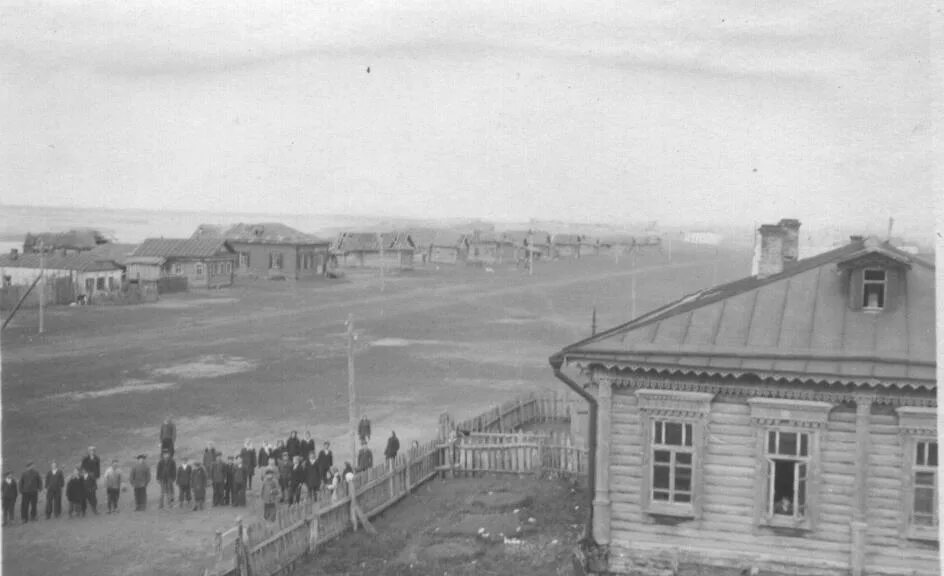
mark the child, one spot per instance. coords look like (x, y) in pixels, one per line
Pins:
(10, 494)
(271, 494)
(198, 484)
(75, 493)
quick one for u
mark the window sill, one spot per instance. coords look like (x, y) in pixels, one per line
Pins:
(787, 525)
(669, 512)
(925, 534)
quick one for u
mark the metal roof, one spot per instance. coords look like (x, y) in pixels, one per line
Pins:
(368, 242)
(567, 239)
(793, 325)
(269, 233)
(181, 247)
(114, 251)
(81, 262)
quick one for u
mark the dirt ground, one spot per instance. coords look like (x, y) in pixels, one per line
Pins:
(443, 517)
(260, 359)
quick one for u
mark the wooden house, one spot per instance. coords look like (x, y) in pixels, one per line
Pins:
(588, 246)
(422, 241)
(520, 241)
(566, 245)
(785, 423)
(204, 262)
(616, 245)
(487, 247)
(449, 247)
(362, 250)
(91, 274)
(273, 250)
(70, 242)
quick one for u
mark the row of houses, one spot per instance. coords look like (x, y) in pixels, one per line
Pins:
(213, 257)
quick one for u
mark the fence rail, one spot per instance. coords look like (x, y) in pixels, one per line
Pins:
(484, 443)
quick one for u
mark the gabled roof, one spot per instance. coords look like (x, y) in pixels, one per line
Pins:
(269, 233)
(567, 239)
(793, 325)
(368, 241)
(487, 237)
(81, 262)
(115, 252)
(520, 237)
(208, 231)
(181, 247)
(422, 237)
(448, 239)
(79, 239)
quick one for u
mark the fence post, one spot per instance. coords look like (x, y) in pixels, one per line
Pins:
(242, 556)
(313, 530)
(351, 490)
(218, 544)
(409, 466)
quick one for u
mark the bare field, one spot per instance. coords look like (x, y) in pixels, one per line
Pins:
(260, 359)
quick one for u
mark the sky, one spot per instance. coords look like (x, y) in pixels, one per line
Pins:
(713, 112)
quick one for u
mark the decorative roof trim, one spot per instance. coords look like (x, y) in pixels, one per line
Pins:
(917, 420)
(674, 403)
(779, 412)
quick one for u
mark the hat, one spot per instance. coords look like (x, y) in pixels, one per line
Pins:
(142, 455)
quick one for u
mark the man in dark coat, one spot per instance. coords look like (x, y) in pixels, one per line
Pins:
(166, 475)
(265, 452)
(238, 497)
(285, 477)
(91, 491)
(93, 464)
(248, 457)
(393, 446)
(365, 458)
(363, 429)
(198, 483)
(308, 445)
(30, 485)
(217, 475)
(168, 436)
(75, 493)
(325, 459)
(312, 476)
(140, 478)
(228, 468)
(209, 456)
(55, 482)
(293, 445)
(297, 479)
(184, 472)
(10, 494)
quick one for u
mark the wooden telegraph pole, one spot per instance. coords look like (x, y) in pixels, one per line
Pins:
(632, 283)
(530, 253)
(351, 393)
(593, 325)
(42, 285)
(380, 241)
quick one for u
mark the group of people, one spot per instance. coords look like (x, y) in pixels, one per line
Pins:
(290, 469)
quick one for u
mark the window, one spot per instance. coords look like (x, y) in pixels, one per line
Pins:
(275, 260)
(89, 285)
(178, 269)
(672, 460)
(199, 269)
(873, 289)
(112, 283)
(100, 283)
(243, 261)
(918, 429)
(788, 465)
(788, 453)
(674, 427)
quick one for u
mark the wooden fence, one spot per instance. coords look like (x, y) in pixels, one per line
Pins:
(486, 443)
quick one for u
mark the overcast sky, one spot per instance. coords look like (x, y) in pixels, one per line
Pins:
(678, 111)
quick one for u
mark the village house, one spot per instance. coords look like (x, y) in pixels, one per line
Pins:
(208, 231)
(522, 241)
(785, 423)
(616, 245)
(204, 262)
(70, 242)
(566, 245)
(273, 250)
(90, 274)
(588, 246)
(487, 247)
(362, 250)
(422, 241)
(449, 247)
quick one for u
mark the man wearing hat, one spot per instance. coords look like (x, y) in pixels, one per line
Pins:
(166, 475)
(30, 485)
(140, 478)
(55, 482)
(10, 494)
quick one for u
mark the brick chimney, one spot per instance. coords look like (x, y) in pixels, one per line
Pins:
(771, 250)
(791, 241)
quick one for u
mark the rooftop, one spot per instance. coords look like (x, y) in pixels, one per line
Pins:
(181, 247)
(80, 262)
(269, 233)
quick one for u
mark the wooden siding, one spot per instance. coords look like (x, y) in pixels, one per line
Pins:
(726, 534)
(293, 265)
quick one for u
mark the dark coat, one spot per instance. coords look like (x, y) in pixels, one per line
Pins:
(298, 474)
(198, 479)
(308, 446)
(285, 472)
(393, 446)
(91, 485)
(365, 459)
(93, 465)
(10, 492)
(184, 472)
(209, 457)
(228, 474)
(363, 428)
(312, 474)
(30, 482)
(294, 447)
(248, 456)
(140, 475)
(239, 476)
(75, 489)
(217, 473)
(325, 460)
(55, 481)
(169, 431)
(166, 470)
(263, 459)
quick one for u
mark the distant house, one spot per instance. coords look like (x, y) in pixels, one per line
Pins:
(783, 423)
(273, 250)
(449, 247)
(618, 244)
(71, 242)
(205, 263)
(208, 231)
(487, 247)
(422, 241)
(538, 241)
(114, 252)
(567, 245)
(90, 274)
(362, 250)
(589, 246)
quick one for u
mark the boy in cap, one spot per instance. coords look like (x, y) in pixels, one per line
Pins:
(30, 485)
(113, 486)
(271, 494)
(140, 478)
(10, 494)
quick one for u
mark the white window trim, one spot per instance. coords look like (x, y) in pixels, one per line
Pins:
(915, 424)
(685, 407)
(787, 416)
(866, 283)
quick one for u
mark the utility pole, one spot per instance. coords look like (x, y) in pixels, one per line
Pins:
(351, 393)
(891, 222)
(42, 285)
(380, 241)
(530, 253)
(632, 284)
(593, 325)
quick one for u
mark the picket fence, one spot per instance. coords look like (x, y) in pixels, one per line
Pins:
(487, 443)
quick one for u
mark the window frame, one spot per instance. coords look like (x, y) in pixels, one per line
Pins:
(800, 460)
(686, 408)
(883, 284)
(916, 425)
(791, 416)
(198, 269)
